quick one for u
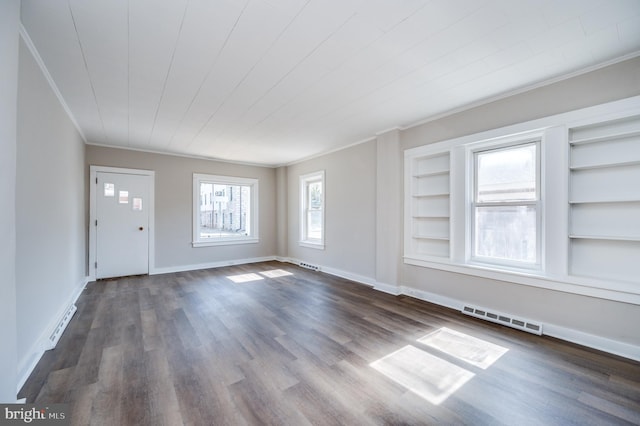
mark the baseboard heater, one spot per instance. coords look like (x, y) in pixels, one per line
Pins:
(309, 266)
(62, 325)
(504, 319)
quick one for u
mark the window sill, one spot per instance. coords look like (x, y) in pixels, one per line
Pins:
(225, 242)
(620, 291)
(309, 244)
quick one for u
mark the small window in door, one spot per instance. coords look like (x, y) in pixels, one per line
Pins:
(123, 197)
(136, 204)
(109, 190)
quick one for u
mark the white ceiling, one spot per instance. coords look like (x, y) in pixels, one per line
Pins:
(274, 81)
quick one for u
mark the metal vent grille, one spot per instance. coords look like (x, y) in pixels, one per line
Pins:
(309, 266)
(504, 319)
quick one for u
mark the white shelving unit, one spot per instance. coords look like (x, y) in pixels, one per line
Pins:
(428, 219)
(604, 206)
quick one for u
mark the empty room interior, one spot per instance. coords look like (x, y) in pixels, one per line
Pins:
(321, 212)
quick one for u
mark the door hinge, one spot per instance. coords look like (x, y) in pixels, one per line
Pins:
(96, 222)
(96, 181)
(96, 265)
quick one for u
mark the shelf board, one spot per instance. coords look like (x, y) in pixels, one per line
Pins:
(606, 165)
(428, 174)
(444, 194)
(604, 237)
(596, 139)
(612, 201)
(430, 217)
(428, 237)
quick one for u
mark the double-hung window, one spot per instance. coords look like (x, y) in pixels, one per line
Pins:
(312, 210)
(505, 205)
(225, 210)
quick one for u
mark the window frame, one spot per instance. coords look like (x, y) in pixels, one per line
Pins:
(305, 181)
(252, 237)
(537, 203)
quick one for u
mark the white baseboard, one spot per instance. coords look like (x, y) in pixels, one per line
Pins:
(360, 279)
(387, 288)
(604, 344)
(43, 344)
(209, 265)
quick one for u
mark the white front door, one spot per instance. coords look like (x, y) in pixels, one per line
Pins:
(122, 224)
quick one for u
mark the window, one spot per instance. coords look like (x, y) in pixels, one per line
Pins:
(216, 198)
(505, 207)
(312, 210)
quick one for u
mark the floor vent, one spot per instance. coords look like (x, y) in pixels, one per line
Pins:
(504, 319)
(309, 266)
(55, 336)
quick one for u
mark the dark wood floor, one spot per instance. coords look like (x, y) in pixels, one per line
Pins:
(197, 348)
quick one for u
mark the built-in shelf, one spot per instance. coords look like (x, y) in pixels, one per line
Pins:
(430, 237)
(605, 237)
(604, 200)
(606, 165)
(611, 201)
(427, 216)
(420, 217)
(603, 138)
(434, 173)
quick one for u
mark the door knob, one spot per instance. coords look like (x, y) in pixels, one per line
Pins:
(141, 228)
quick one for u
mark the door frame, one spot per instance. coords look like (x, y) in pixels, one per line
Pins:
(93, 240)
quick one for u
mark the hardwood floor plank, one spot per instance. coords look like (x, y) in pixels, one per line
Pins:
(297, 347)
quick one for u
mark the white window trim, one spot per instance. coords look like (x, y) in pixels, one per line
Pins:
(305, 180)
(536, 138)
(554, 152)
(199, 178)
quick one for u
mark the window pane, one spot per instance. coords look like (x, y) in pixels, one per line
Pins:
(506, 232)
(314, 228)
(109, 190)
(315, 195)
(123, 197)
(224, 210)
(507, 174)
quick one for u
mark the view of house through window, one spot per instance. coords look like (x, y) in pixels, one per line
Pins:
(505, 210)
(224, 209)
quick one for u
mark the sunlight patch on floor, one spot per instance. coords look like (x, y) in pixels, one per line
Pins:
(466, 348)
(426, 375)
(275, 273)
(245, 278)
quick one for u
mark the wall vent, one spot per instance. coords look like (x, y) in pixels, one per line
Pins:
(309, 266)
(62, 325)
(504, 319)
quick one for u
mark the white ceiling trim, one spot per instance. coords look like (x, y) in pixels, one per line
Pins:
(36, 56)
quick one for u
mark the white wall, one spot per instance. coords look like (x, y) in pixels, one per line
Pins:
(50, 225)
(9, 22)
(350, 210)
(595, 317)
(173, 206)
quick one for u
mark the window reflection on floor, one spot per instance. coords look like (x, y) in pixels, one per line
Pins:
(275, 273)
(466, 348)
(428, 376)
(432, 377)
(245, 278)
